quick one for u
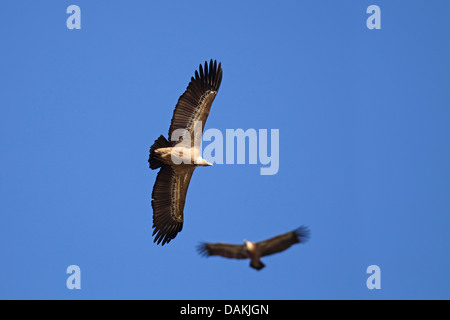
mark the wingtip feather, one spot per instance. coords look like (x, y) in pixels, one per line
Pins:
(202, 249)
(303, 234)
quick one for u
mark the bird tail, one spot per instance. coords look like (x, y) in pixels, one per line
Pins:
(153, 160)
(257, 265)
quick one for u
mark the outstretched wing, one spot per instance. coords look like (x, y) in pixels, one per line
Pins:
(195, 103)
(282, 242)
(169, 196)
(233, 251)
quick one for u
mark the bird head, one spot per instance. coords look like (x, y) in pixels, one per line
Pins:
(203, 163)
(248, 245)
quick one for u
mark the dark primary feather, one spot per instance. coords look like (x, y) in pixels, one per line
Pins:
(284, 241)
(195, 102)
(168, 210)
(234, 251)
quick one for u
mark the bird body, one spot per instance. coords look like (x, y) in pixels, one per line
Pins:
(254, 255)
(255, 250)
(181, 154)
(181, 158)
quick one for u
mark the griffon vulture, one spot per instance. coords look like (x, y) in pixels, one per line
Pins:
(255, 250)
(180, 154)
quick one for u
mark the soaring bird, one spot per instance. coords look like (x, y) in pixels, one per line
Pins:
(255, 250)
(180, 154)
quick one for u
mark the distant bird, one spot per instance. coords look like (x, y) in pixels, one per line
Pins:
(179, 157)
(255, 250)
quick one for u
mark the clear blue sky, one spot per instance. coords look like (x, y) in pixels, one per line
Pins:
(364, 148)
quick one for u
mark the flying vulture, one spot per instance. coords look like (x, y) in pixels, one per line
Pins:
(180, 154)
(255, 250)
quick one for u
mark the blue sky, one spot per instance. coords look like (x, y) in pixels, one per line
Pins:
(363, 117)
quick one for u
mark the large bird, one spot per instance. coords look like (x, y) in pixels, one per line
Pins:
(255, 250)
(179, 155)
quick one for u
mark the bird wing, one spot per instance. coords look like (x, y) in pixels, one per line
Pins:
(169, 196)
(283, 241)
(226, 250)
(195, 103)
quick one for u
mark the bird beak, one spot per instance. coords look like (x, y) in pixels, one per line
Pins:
(209, 164)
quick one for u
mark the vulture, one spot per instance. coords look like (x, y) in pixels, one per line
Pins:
(179, 155)
(255, 250)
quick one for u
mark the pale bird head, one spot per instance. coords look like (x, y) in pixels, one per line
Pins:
(202, 162)
(249, 246)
